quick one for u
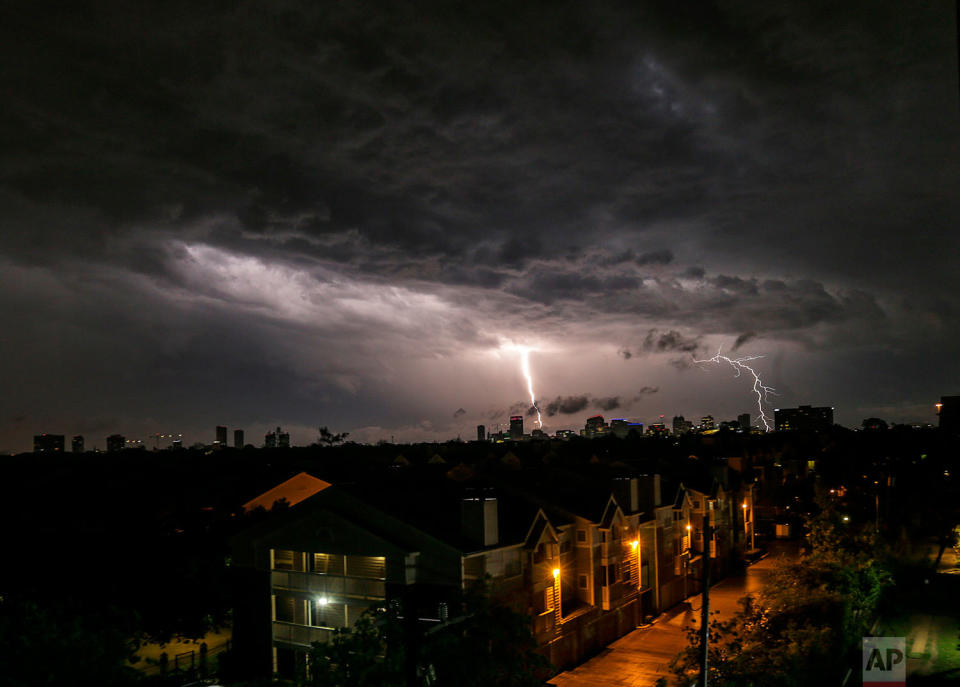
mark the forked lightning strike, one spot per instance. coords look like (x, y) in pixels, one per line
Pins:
(738, 365)
(525, 365)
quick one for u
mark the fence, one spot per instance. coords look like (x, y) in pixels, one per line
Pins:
(200, 662)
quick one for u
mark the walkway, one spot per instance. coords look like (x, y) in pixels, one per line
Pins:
(638, 659)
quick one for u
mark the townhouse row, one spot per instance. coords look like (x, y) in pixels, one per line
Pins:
(587, 563)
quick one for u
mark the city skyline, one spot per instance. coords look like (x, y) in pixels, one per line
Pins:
(373, 217)
(784, 419)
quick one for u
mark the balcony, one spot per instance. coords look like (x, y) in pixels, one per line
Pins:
(299, 634)
(544, 623)
(329, 585)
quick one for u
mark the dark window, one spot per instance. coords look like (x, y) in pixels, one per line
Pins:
(583, 581)
(286, 609)
(581, 535)
(565, 546)
(603, 575)
(287, 663)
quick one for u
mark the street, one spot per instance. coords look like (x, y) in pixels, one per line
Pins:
(641, 657)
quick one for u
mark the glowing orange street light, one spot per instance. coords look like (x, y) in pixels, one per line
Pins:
(556, 590)
(634, 545)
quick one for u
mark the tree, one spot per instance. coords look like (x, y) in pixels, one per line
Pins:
(328, 438)
(56, 645)
(489, 644)
(800, 629)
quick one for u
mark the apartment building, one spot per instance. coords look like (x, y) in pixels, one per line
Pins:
(587, 564)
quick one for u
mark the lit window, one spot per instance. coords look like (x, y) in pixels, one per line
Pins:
(283, 559)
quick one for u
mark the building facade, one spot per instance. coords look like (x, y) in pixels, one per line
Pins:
(804, 418)
(48, 443)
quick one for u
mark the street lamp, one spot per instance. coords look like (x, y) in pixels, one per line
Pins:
(635, 545)
(556, 591)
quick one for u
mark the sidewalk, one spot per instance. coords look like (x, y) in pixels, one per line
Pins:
(641, 657)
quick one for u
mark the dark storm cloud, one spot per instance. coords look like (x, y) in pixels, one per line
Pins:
(659, 257)
(570, 405)
(742, 339)
(459, 412)
(338, 189)
(566, 405)
(607, 403)
(646, 391)
(657, 341)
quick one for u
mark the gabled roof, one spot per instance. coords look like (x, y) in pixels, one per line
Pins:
(296, 489)
(541, 525)
(610, 512)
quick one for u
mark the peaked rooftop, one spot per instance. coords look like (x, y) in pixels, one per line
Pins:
(298, 488)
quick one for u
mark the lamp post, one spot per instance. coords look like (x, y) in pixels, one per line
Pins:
(557, 595)
(748, 526)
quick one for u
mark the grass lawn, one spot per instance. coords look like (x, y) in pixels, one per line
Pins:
(926, 610)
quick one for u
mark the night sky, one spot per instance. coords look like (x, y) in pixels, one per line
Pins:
(354, 214)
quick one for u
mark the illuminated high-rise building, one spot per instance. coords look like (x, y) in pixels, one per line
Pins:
(116, 442)
(948, 410)
(706, 422)
(595, 427)
(804, 418)
(657, 429)
(516, 427)
(276, 439)
(744, 420)
(76, 444)
(48, 443)
(481, 433)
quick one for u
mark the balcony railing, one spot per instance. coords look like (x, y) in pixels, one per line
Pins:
(544, 622)
(299, 634)
(329, 585)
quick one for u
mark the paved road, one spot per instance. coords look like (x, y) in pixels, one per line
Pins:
(641, 657)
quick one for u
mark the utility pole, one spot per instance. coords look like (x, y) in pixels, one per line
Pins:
(705, 596)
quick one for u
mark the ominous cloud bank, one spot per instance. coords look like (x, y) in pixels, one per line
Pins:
(341, 214)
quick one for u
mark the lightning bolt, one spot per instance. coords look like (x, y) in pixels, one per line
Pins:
(758, 387)
(525, 366)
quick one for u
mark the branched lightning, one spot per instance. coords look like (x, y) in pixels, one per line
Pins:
(525, 366)
(738, 365)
